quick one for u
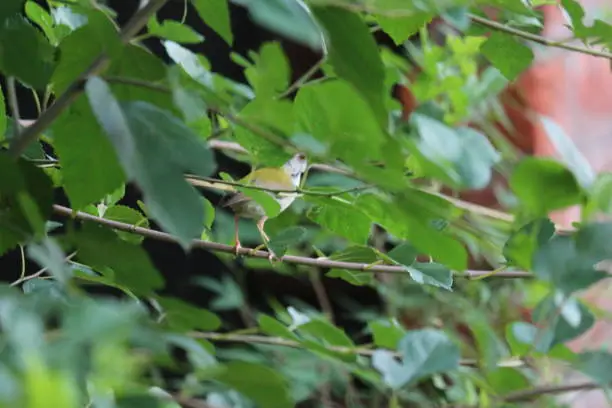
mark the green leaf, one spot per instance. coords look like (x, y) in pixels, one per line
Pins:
(560, 262)
(129, 264)
(326, 332)
(155, 148)
(48, 254)
(354, 55)
(354, 253)
(264, 385)
(341, 218)
(26, 53)
(479, 156)
(275, 328)
(522, 244)
(82, 46)
(3, 117)
(130, 216)
(424, 273)
(183, 316)
(285, 238)
(507, 54)
(288, 18)
(424, 352)
(270, 74)
(43, 19)
(533, 175)
(401, 27)
(597, 365)
(335, 114)
(592, 241)
(216, 15)
(90, 167)
(229, 293)
(387, 333)
(569, 153)
(173, 30)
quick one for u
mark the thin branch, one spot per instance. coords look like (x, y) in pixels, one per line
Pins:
(133, 26)
(358, 350)
(23, 278)
(290, 259)
(302, 79)
(14, 105)
(527, 395)
(537, 38)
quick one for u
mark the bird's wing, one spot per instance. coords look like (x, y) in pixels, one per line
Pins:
(277, 180)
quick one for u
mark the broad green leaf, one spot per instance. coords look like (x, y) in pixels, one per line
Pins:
(326, 332)
(354, 253)
(129, 264)
(424, 273)
(183, 316)
(505, 380)
(155, 148)
(270, 74)
(543, 185)
(341, 218)
(82, 46)
(263, 385)
(507, 54)
(479, 156)
(400, 28)
(215, 14)
(275, 328)
(90, 167)
(174, 31)
(289, 18)
(387, 333)
(354, 55)
(130, 216)
(48, 254)
(284, 239)
(559, 262)
(338, 116)
(47, 387)
(596, 364)
(43, 19)
(424, 352)
(522, 244)
(574, 160)
(26, 53)
(592, 241)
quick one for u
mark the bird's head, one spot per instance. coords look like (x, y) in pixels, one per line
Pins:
(296, 165)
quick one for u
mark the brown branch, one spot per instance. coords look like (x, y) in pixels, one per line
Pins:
(133, 26)
(530, 394)
(358, 350)
(290, 259)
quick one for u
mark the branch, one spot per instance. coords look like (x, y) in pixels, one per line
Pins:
(537, 38)
(290, 259)
(526, 395)
(133, 26)
(358, 350)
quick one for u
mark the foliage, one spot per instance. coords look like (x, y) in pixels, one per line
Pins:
(114, 115)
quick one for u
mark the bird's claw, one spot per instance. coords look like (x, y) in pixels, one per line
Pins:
(237, 248)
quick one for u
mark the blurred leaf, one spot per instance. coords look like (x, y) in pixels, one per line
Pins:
(596, 364)
(341, 218)
(288, 18)
(507, 54)
(423, 273)
(281, 241)
(173, 30)
(400, 28)
(130, 265)
(215, 14)
(387, 333)
(155, 149)
(270, 74)
(48, 254)
(532, 176)
(229, 293)
(327, 333)
(275, 328)
(559, 262)
(592, 241)
(43, 19)
(264, 385)
(182, 316)
(354, 253)
(130, 216)
(505, 380)
(569, 153)
(45, 387)
(354, 55)
(424, 352)
(522, 244)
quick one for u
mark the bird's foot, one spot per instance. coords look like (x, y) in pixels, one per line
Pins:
(254, 250)
(237, 248)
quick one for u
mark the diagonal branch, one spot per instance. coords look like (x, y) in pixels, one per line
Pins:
(358, 350)
(290, 259)
(533, 393)
(133, 26)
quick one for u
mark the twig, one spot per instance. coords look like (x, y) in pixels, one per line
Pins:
(537, 38)
(302, 79)
(290, 259)
(133, 26)
(39, 273)
(14, 105)
(526, 395)
(358, 350)
(321, 294)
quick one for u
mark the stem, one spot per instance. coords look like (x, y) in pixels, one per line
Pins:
(290, 259)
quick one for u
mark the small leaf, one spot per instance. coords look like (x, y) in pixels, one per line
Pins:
(431, 273)
(48, 254)
(522, 244)
(387, 333)
(273, 327)
(597, 365)
(343, 219)
(532, 176)
(507, 54)
(130, 216)
(173, 30)
(400, 28)
(265, 386)
(285, 238)
(326, 332)
(215, 14)
(424, 352)
(183, 316)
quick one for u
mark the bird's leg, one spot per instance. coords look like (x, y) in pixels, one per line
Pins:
(237, 245)
(260, 226)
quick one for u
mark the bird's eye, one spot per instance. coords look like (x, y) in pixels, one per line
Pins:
(301, 156)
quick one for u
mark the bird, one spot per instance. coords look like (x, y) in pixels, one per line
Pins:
(286, 177)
